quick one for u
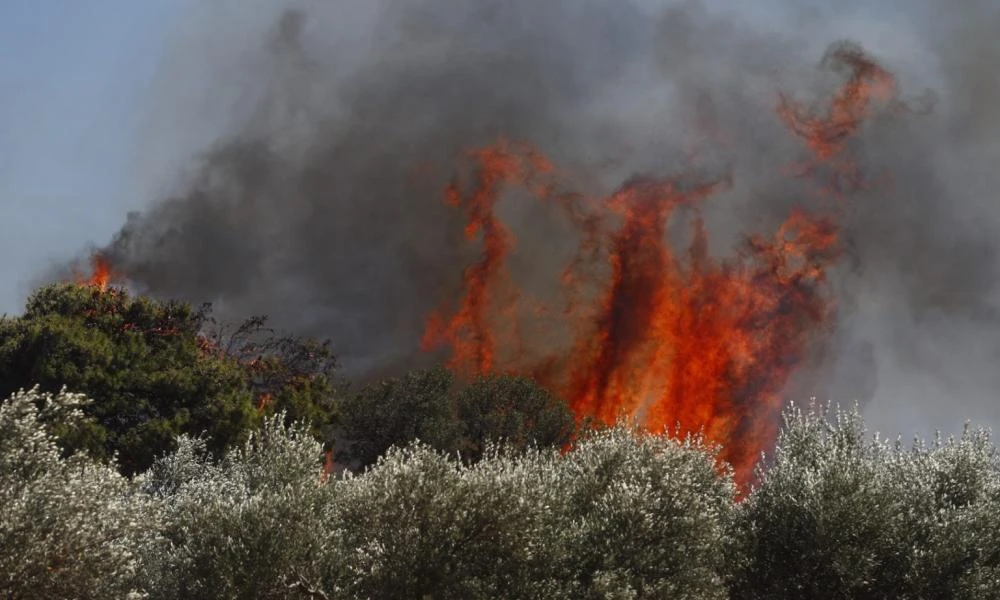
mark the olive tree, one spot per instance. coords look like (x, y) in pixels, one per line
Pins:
(622, 514)
(844, 514)
(69, 527)
(255, 524)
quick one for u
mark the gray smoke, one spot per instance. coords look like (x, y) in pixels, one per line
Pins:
(328, 130)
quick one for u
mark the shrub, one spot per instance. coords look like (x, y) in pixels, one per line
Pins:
(69, 528)
(459, 420)
(843, 515)
(641, 516)
(153, 374)
(253, 525)
(513, 410)
(622, 515)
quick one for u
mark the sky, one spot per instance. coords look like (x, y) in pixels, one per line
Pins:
(73, 81)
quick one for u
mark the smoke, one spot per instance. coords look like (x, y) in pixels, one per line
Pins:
(327, 131)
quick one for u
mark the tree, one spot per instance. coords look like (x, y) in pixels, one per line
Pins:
(512, 409)
(429, 406)
(394, 412)
(151, 372)
(421, 524)
(639, 516)
(287, 374)
(960, 517)
(622, 515)
(824, 522)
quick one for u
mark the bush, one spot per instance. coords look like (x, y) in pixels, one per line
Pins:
(641, 516)
(959, 518)
(254, 525)
(396, 412)
(842, 515)
(428, 406)
(69, 528)
(623, 515)
(419, 524)
(513, 410)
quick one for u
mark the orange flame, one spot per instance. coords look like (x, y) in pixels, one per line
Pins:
(100, 273)
(672, 339)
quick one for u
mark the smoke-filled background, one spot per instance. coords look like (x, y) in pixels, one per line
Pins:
(293, 155)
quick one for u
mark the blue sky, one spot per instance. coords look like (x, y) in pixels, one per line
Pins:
(74, 76)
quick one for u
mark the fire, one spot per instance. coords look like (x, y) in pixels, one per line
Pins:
(100, 273)
(499, 166)
(672, 338)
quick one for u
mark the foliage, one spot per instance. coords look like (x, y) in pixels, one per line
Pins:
(287, 374)
(146, 365)
(428, 406)
(841, 515)
(420, 525)
(395, 412)
(157, 370)
(960, 480)
(69, 528)
(620, 514)
(255, 525)
(644, 516)
(512, 409)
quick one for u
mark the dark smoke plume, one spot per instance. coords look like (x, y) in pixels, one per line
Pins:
(339, 124)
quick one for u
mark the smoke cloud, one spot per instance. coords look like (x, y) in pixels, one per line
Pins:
(327, 131)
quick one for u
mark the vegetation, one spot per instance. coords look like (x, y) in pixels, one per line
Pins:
(157, 370)
(482, 490)
(427, 406)
(620, 515)
(841, 515)
(69, 528)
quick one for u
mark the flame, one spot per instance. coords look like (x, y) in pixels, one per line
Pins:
(100, 276)
(674, 339)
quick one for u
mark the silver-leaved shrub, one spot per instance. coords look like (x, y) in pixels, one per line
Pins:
(841, 514)
(256, 524)
(69, 527)
(836, 513)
